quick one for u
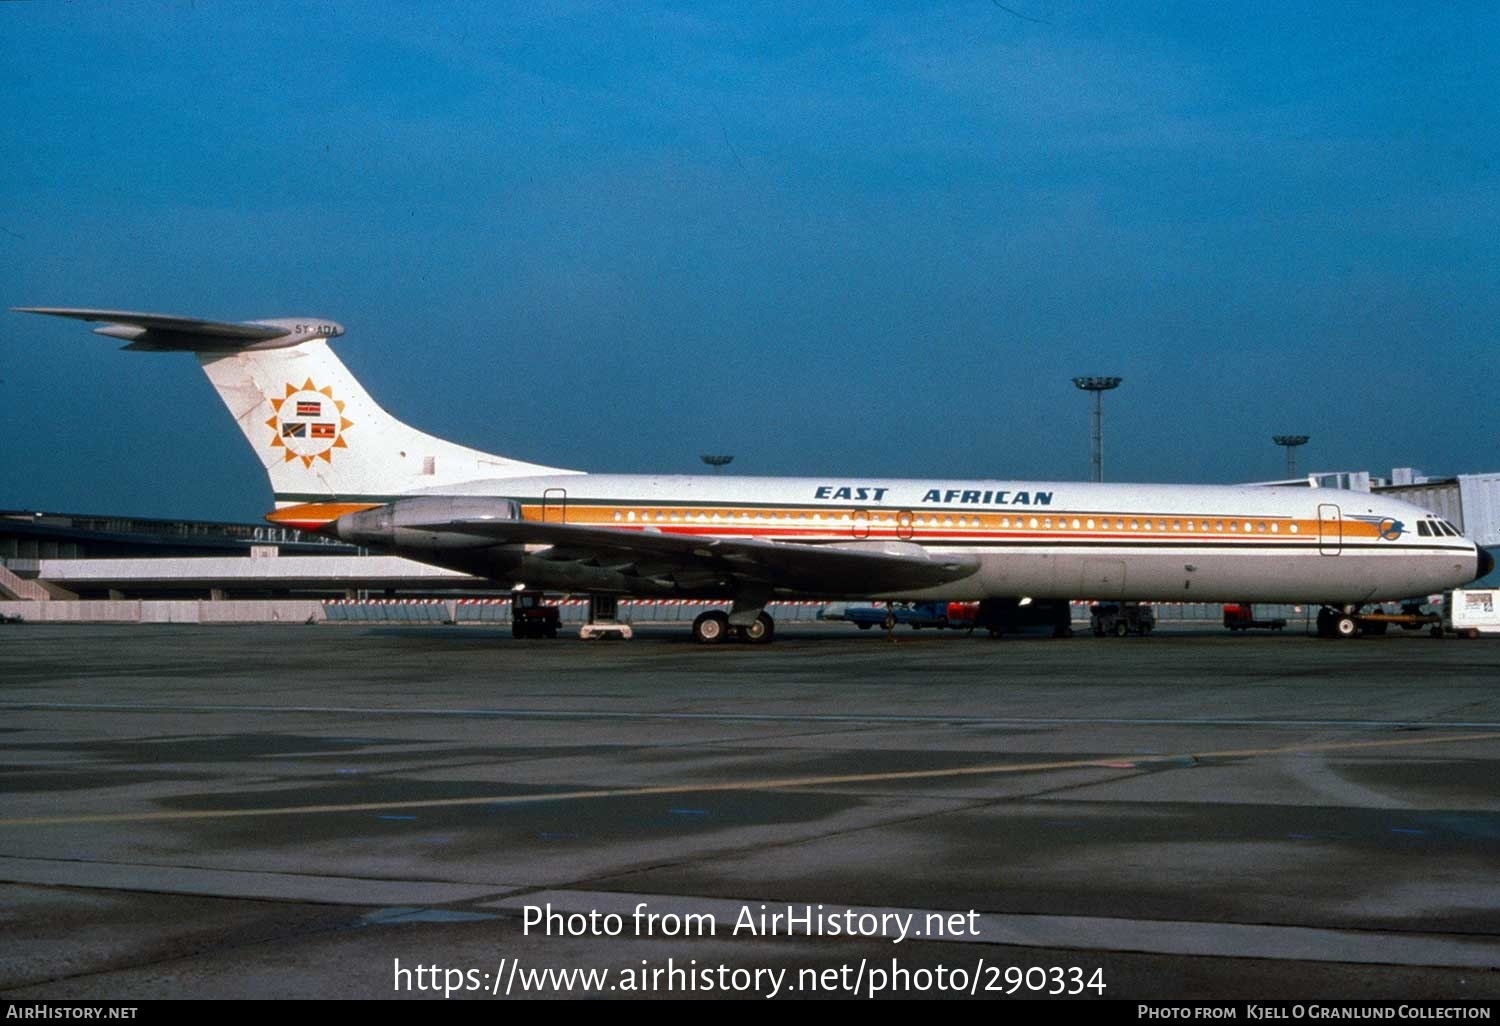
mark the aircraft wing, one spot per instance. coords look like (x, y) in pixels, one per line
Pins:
(868, 568)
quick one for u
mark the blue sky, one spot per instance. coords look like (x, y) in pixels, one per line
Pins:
(839, 239)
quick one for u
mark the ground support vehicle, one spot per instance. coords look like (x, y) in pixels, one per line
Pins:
(1240, 616)
(530, 617)
(1470, 612)
(1121, 618)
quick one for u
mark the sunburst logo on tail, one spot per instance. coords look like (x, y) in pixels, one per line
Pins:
(309, 423)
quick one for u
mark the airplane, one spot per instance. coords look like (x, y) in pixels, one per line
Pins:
(342, 466)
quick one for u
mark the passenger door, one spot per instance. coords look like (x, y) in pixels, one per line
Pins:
(1330, 529)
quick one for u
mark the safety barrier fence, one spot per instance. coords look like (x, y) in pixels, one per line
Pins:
(570, 611)
(642, 611)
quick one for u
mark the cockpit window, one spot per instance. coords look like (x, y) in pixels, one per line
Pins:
(1422, 529)
(1452, 530)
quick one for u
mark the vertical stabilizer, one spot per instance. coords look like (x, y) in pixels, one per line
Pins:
(317, 432)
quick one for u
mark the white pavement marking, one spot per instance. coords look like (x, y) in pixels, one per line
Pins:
(227, 883)
(605, 714)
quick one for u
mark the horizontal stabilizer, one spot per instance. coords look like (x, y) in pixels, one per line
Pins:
(165, 333)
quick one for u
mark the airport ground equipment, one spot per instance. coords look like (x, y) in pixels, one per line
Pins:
(1121, 618)
(1470, 612)
(1001, 616)
(1240, 616)
(916, 615)
(530, 617)
(603, 620)
(1353, 621)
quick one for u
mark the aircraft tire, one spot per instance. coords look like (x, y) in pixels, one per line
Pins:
(1346, 626)
(711, 628)
(760, 632)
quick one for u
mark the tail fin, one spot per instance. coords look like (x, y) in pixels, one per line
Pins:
(317, 431)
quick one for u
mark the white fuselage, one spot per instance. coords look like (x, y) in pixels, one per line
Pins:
(1061, 540)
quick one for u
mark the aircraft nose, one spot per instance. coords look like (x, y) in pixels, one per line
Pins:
(1486, 564)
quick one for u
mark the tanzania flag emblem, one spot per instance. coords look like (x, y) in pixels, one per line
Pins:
(303, 439)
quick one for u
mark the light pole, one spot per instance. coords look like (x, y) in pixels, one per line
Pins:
(1290, 442)
(1098, 386)
(717, 462)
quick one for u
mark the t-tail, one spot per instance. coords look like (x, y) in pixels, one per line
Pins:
(327, 446)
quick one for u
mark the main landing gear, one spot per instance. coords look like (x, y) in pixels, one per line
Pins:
(713, 627)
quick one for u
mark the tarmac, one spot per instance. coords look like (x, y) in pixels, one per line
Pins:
(210, 811)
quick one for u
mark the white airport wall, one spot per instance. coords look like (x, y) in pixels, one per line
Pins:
(171, 611)
(250, 571)
(1480, 494)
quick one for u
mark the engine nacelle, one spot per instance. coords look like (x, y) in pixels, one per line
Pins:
(425, 522)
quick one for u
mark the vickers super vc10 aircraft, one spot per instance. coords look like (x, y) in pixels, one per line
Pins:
(341, 465)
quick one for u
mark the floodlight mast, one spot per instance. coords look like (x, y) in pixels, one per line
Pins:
(1290, 443)
(1097, 386)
